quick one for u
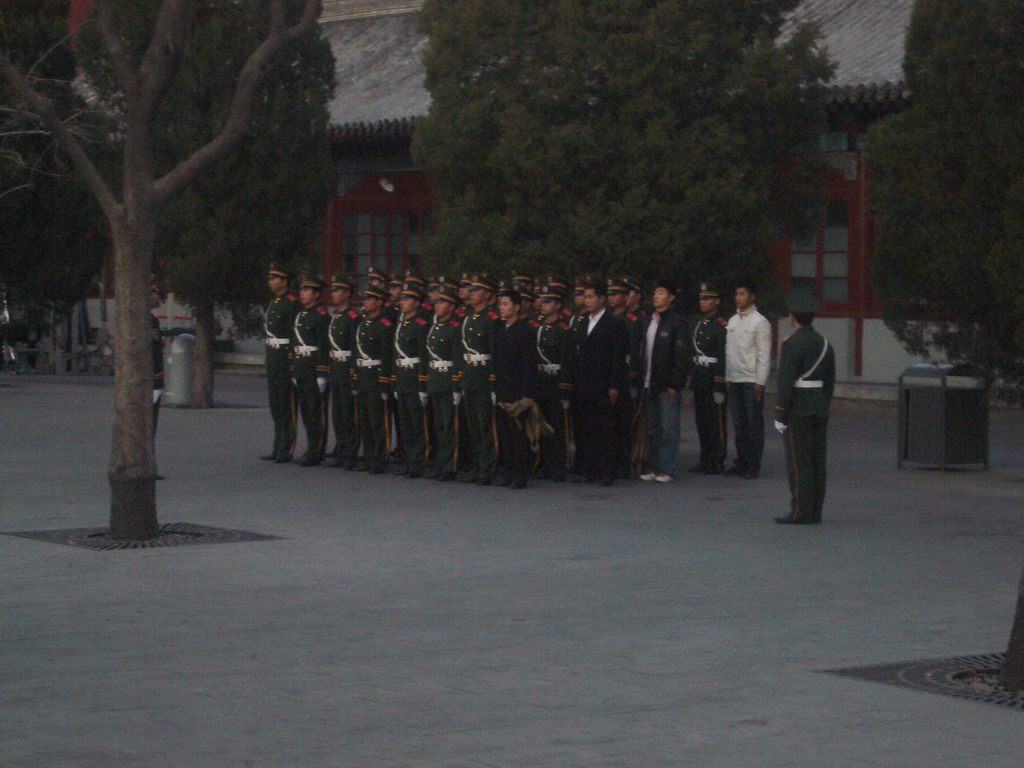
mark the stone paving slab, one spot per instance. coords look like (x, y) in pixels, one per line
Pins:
(408, 623)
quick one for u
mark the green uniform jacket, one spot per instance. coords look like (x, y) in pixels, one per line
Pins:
(707, 341)
(478, 333)
(411, 344)
(444, 345)
(634, 328)
(341, 335)
(279, 327)
(555, 347)
(309, 343)
(797, 356)
(373, 343)
(158, 353)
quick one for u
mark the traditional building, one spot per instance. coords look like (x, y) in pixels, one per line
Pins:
(383, 204)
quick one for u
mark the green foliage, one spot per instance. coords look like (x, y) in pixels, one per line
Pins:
(53, 231)
(266, 201)
(948, 188)
(650, 137)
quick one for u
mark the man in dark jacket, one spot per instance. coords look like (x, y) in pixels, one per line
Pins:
(664, 367)
(601, 344)
(515, 379)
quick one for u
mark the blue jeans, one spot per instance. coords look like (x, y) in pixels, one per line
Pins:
(663, 427)
(748, 419)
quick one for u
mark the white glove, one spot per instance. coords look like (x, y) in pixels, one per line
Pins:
(456, 397)
(719, 398)
(321, 384)
(384, 396)
(156, 395)
(424, 399)
(780, 426)
(565, 405)
(295, 382)
(494, 398)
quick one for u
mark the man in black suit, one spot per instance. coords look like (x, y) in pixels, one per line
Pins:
(601, 343)
(515, 379)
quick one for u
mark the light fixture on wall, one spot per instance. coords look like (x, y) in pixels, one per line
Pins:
(386, 185)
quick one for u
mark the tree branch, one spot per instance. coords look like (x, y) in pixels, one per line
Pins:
(242, 102)
(156, 73)
(112, 41)
(48, 112)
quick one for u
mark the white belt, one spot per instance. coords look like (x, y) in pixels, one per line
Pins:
(365, 362)
(341, 354)
(704, 360)
(476, 358)
(276, 343)
(441, 365)
(407, 362)
(801, 384)
(549, 367)
(305, 349)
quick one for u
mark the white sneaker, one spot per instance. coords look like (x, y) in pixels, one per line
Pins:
(648, 476)
(663, 478)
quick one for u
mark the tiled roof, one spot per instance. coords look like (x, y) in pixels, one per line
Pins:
(380, 60)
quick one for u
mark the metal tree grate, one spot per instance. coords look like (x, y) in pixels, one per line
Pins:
(966, 677)
(171, 535)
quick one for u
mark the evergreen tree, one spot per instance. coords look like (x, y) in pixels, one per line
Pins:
(652, 137)
(948, 189)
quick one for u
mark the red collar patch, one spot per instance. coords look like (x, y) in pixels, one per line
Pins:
(564, 326)
(385, 322)
(421, 321)
(454, 323)
(492, 315)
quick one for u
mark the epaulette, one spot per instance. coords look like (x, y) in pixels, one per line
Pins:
(492, 315)
(385, 322)
(723, 321)
(631, 316)
(421, 321)
(353, 314)
(321, 310)
(564, 326)
(454, 323)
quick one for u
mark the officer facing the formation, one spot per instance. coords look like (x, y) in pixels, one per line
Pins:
(341, 345)
(807, 377)
(278, 329)
(444, 350)
(373, 378)
(556, 372)
(708, 381)
(479, 330)
(310, 368)
(618, 298)
(409, 378)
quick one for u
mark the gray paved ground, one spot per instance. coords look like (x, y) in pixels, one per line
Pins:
(410, 623)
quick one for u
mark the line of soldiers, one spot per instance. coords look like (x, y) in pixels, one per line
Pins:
(418, 364)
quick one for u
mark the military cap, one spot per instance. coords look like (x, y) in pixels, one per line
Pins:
(339, 280)
(510, 289)
(375, 292)
(464, 281)
(412, 290)
(276, 270)
(434, 283)
(482, 281)
(373, 273)
(523, 279)
(311, 281)
(708, 291)
(526, 291)
(447, 292)
(411, 275)
(558, 283)
(801, 301)
(634, 284)
(550, 291)
(620, 284)
(395, 281)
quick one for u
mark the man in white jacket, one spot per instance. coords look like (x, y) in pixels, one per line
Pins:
(748, 349)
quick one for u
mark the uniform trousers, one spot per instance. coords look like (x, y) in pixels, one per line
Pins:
(446, 431)
(374, 414)
(626, 410)
(482, 436)
(517, 458)
(282, 410)
(710, 420)
(345, 420)
(806, 453)
(312, 408)
(748, 423)
(412, 431)
(599, 437)
(554, 449)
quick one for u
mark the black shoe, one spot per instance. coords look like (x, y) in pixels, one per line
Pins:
(713, 471)
(269, 457)
(330, 462)
(518, 484)
(608, 481)
(501, 482)
(332, 455)
(470, 478)
(414, 473)
(557, 478)
(375, 471)
(735, 471)
(307, 461)
(485, 481)
(446, 477)
(698, 468)
(790, 521)
(751, 473)
(580, 479)
(158, 477)
(282, 459)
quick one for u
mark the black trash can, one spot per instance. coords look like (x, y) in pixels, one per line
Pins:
(943, 416)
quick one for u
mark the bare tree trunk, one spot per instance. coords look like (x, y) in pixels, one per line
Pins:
(1011, 676)
(202, 371)
(132, 469)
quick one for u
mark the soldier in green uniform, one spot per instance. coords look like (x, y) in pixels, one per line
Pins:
(556, 352)
(708, 381)
(619, 289)
(479, 330)
(373, 378)
(528, 297)
(444, 350)
(377, 278)
(807, 377)
(278, 329)
(341, 350)
(409, 378)
(578, 325)
(156, 298)
(310, 367)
